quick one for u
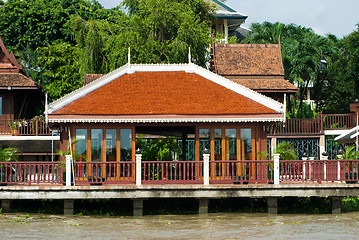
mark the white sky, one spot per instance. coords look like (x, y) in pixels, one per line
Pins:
(323, 16)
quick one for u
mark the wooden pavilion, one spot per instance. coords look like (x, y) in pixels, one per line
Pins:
(181, 100)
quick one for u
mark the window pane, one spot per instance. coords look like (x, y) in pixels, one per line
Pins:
(0, 106)
(204, 141)
(218, 144)
(96, 144)
(231, 144)
(81, 144)
(111, 139)
(126, 144)
(246, 139)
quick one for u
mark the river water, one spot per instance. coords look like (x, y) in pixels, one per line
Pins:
(211, 226)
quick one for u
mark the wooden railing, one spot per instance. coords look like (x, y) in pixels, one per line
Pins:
(97, 173)
(181, 172)
(172, 172)
(30, 173)
(25, 127)
(241, 172)
(339, 121)
(314, 126)
(319, 171)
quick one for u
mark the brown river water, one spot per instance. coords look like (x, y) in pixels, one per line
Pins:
(211, 226)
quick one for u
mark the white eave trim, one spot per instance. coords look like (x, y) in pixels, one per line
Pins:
(169, 120)
(189, 68)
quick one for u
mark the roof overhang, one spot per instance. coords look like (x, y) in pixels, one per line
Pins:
(166, 119)
(348, 136)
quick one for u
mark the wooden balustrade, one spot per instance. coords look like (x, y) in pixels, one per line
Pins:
(19, 173)
(25, 127)
(181, 172)
(314, 126)
(172, 172)
(339, 121)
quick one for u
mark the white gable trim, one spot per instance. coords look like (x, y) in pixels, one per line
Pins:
(189, 68)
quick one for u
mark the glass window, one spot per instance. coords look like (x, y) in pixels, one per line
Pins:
(231, 144)
(0, 106)
(204, 141)
(81, 144)
(218, 144)
(111, 139)
(126, 144)
(246, 141)
(96, 144)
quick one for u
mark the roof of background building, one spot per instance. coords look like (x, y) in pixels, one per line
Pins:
(248, 60)
(11, 71)
(267, 84)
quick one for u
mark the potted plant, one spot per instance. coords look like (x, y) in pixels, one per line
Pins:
(7, 155)
(75, 156)
(350, 166)
(15, 126)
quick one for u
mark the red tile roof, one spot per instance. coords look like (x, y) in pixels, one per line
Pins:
(163, 93)
(248, 60)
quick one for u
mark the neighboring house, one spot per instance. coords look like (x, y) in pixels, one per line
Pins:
(228, 21)
(198, 107)
(256, 66)
(20, 100)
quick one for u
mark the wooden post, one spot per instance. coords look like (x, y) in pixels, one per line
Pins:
(68, 170)
(276, 168)
(206, 155)
(36, 125)
(138, 167)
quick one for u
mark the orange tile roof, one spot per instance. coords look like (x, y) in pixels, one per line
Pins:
(163, 93)
(248, 59)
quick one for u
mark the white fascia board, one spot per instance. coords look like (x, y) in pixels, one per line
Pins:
(347, 133)
(168, 120)
(189, 68)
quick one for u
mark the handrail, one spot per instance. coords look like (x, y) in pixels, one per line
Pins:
(25, 127)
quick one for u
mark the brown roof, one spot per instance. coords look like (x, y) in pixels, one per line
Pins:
(248, 59)
(11, 71)
(163, 93)
(267, 84)
(15, 80)
(91, 77)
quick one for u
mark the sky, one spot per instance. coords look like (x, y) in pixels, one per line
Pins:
(323, 16)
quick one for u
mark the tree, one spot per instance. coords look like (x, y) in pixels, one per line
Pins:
(39, 23)
(302, 52)
(157, 31)
(60, 69)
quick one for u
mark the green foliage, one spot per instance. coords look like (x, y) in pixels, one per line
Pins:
(350, 204)
(350, 153)
(159, 149)
(60, 69)
(286, 151)
(71, 149)
(9, 154)
(39, 23)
